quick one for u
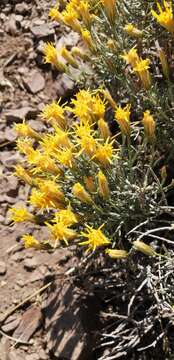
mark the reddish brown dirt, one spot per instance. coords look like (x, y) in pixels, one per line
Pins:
(22, 272)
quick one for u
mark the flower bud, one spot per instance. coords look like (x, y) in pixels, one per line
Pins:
(103, 185)
(116, 254)
(80, 193)
(144, 248)
(149, 125)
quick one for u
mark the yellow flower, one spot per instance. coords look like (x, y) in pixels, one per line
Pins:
(68, 57)
(131, 30)
(95, 237)
(60, 232)
(65, 157)
(165, 17)
(26, 130)
(31, 242)
(51, 57)
(144, 248)
(89, 183)
(141, 68)
(84, 11)
(86, 36)
(43, 201)
(20, 215)
(103, 186)
(82, 129)
(149, 125)
(55, 14)
(23, 174)
(109, 6)
(104, 153)
(51, 190)
(80, 193)
(66, 217)
(70, 18)
(88, 145)
(122, 116)
(83, 105)
(131, 57)
(99, 107)
(42, 163)
(54, 113)
(104, 129)
(116, 253)
(50, 143)
(24, 146)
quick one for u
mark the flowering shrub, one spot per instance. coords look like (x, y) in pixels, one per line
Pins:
(90, 187)
(98, 172)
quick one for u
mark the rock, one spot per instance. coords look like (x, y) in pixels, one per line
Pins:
(22, 8)
(13, 355)
(30, 264)
(43, 31)
(10, 324)
(11, 27)
(29, 323)
(3, 268)
(64, 86)
(9, 134)
(34, 82)
(42, 355)
(32, 357)
(20, 114)
(65, 334)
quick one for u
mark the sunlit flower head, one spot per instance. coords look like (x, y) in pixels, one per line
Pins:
(51, 57)
(104, 153)
(95, 238)
(142, 69)
(61, 232)
(31, 242)
(20, 215)
(66, 216)
(54, 113)
(23, 174)
(165, 15)
(55, 14)
(131, 57)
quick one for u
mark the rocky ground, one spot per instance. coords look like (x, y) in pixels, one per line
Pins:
(40, 329)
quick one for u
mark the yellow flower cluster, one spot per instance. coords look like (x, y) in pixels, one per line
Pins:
(69, 168)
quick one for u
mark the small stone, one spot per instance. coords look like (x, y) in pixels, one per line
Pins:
(32, 357)
(35, 82)
(3, 268)
(10, 324)
(20, 114)
(42, 355)
(43, 31)
(22, 8)
(30, 264)
(11, 27)
(10, 134)
(64, 86)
